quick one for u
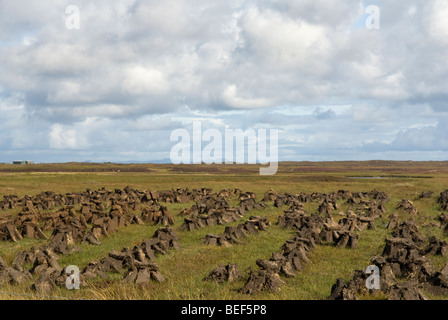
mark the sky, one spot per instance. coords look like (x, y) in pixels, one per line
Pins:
(116, 85)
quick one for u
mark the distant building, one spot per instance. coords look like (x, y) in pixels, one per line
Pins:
(22, 162)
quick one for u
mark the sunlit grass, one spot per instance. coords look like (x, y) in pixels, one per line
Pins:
(185, 269)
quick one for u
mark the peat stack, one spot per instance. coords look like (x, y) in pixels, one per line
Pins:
(9, 232)
(409, 230)
(443, 200)
(222, 273)
(262, 281)
(437, 247)
(10, 275)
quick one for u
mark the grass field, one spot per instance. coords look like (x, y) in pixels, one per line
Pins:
(185, 269)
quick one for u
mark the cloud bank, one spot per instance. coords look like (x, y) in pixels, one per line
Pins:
(136, 70)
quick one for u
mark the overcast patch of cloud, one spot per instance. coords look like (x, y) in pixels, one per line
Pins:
(136, 70)
(428, 138)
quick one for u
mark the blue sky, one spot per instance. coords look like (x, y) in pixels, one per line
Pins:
(135, 71)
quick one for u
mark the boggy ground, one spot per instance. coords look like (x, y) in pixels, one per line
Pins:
(186, 268)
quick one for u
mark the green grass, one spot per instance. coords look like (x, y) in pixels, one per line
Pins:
(185, 269)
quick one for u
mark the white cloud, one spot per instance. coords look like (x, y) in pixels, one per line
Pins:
(285, 43)
(438, 23)
(60, 138)
(231, 97)
(134, 66)
(145, 80)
